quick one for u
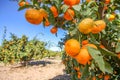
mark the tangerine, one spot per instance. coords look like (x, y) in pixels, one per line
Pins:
(22, 3)
(69, 14)
(106, 77)
(54, 30)
(47, 23)
(83, 57)
(85, 26)
(88, 1)
(99, 25)
(71, 2)
(72, 47)
(33, 16)
(43, 12)
(91, 45)
(111, 17)
(54, 11)
(84, 42)
(107, 1)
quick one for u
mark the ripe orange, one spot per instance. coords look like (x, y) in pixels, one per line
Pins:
(69, 14)
(106, 77)
(88, 1)
(118, 55)
(77, 68)
(99, 25)
(54, 11)
(94, 78)
(43, 12)
(79, 75)
(47, 23)
(111, 17)
(105, 8)
(22, 3)
(107, 1)
(33, 16)
(72, 47)
(83, 57)
(100, 76)
(71, 2)
(101, 46)
(84, 42)
(91, 45)
(86, 25)
(54, 30)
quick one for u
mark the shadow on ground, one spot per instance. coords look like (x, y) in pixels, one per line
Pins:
(61, 77)
(43, 63)
(33, 63)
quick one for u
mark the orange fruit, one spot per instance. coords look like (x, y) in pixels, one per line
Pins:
(71, 2)
(43, 12)
(86, 25)
(100, 76)
(107, 1)
(83, 57)
(22, 3)
(105, 8)
(91, 45)
(54, 11)
(54, 30)
(74, 21)
(47, 23)
(77, 68)
(118, 55)
(102, 46)
(33, 16)
(106, 77)
(69, 14)
(99, 25)
(72, 47)
(84, 42)
(94, 78)
(111, 17)
(78, 75)
(88, 1)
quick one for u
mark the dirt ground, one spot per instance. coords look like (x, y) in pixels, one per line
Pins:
(45, 69)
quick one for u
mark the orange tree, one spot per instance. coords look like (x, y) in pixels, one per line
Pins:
(21, 50)
(92, 43)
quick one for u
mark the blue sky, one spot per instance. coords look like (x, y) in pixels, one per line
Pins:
(16, 23)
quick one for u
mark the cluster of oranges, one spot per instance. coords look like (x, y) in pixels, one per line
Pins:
(37, 16)
(81, 54)
(88, 25)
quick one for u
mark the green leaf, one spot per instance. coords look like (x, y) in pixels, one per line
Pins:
(108, 68)
(24, 7)
(93, 39)
(65, 7)
(106, 52)
(56, 1)
(96, 55)
(117, 50)
(91, 2)
(85, 72)
(35, 2)
(73, 32)
(51, 17)
(77, 7)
